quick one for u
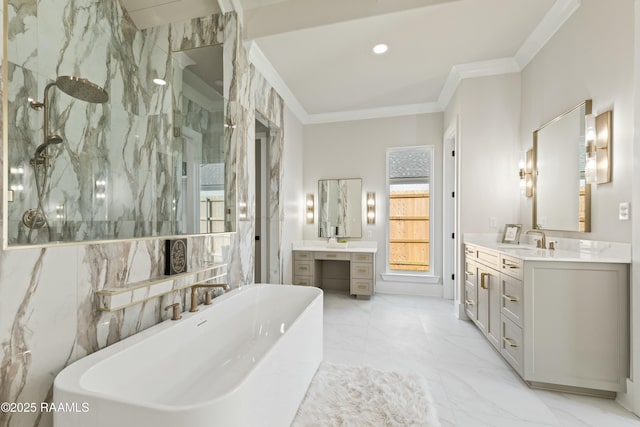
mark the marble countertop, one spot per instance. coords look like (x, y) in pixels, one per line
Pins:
(324, 246)
(567, 250)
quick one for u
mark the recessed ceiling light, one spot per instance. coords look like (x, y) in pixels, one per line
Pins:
(159, 82)
(380, 48)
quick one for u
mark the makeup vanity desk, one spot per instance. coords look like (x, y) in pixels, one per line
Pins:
(312, 261)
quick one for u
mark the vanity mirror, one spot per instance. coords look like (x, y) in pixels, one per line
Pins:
(562, 199)
(340, 208)
(148, 159)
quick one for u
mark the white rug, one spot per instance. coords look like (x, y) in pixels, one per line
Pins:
(350, 396)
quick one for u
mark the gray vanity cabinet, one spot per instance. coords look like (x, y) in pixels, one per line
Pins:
(561, 324)
(308, 268)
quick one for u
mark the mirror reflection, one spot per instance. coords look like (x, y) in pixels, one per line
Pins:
(198, 93)
(562, 199)
(113, 146)
(340, 208)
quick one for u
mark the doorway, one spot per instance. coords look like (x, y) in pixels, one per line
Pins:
(451, 275)
(261, 210)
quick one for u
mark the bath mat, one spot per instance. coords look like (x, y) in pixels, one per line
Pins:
(358, 396)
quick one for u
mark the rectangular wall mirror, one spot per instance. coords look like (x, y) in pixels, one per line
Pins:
(562, 199)
(149, 160)
(340, 208)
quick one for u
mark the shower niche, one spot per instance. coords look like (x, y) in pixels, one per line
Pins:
(152, 160)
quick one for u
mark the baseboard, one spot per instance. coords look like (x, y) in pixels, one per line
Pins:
(626, 399)
(414, 289)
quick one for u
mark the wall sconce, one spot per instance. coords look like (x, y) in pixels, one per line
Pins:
(598, 131)
(526, 174)
(310, 208)
(371, 207)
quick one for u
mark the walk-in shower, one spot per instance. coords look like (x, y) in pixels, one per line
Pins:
(75, 87)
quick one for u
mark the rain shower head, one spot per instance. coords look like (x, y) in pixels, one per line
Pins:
(82, 89)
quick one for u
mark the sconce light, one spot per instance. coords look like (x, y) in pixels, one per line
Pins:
(526, 174)
(598, 148)
(310, 210)
(371, 207)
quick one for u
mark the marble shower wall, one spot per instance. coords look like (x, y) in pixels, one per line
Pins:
(48, 316)
(112, 176)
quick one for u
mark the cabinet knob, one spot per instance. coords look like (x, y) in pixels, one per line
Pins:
(509, 298)
(467, 302)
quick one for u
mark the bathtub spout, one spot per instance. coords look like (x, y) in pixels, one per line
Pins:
(194, 293)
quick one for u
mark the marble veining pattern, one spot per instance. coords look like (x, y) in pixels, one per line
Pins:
(48, 296)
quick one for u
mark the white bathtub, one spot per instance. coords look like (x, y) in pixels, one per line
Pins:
(245, 360)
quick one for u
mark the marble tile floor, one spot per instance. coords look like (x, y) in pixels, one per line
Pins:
(471, 384)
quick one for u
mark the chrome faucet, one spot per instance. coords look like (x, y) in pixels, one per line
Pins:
(194, 293)
(542, 242)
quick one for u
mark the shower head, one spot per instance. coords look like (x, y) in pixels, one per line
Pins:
(82, 89)
(51, 140)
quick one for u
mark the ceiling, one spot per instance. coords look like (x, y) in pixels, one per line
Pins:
(318, 53)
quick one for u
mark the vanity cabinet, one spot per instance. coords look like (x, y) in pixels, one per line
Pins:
(561, 323)
(308, 268)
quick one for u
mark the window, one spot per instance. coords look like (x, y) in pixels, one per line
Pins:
(409, 178)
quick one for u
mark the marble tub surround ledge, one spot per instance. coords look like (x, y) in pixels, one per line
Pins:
(571, 250)
(113, 299)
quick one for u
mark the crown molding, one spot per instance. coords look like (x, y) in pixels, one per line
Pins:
(553, 20)
(474, 69)
(262, 64)
(374, 113)
(548, 26)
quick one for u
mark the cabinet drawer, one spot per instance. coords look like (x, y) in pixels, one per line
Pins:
(470, 251)
(361, 287)
(333, 255)
(361, 270)
(303, 280)
(470, 301)
(511, 346)
(362, 257)
(489, 258)
(511, 266)
(302, 268)
(470, 273)
(511, 299)
(300, 255)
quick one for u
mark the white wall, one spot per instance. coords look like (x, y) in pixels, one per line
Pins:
(357, 149)
(487, 111)
(590, 57)
(292, 190)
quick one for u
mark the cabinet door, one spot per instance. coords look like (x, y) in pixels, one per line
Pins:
(494, 326)
(488, 305)
(482, 304)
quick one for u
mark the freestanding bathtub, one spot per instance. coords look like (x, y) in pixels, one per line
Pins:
(245, 360)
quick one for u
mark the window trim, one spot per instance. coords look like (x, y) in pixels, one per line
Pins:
(406, 274)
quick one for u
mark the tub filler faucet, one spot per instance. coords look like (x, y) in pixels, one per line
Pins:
(207, 298)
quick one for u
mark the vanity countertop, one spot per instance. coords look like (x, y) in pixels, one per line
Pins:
(323, 246)
(568, 250)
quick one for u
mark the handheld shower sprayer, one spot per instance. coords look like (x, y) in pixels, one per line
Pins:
(75, 87)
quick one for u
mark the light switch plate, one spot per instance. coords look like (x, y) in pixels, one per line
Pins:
(623, 211)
